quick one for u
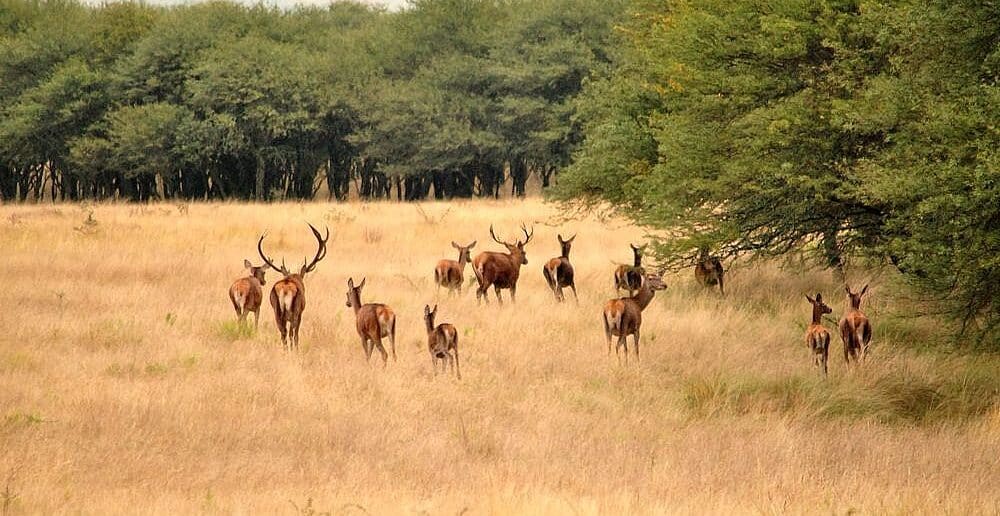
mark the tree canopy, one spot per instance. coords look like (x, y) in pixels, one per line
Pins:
(222, 101)
(836, 128)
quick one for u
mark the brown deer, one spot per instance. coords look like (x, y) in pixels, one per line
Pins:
(817, 336)
(442, 342)
(450, 273)
(623, 316)
(373, 321)
(558, 271)
(288, 295)
(708, 271)
(247, 293)
(855, 328)
(501, 270)
(629, 277)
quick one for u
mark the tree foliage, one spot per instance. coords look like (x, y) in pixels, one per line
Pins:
(218, 100)
(837, 128)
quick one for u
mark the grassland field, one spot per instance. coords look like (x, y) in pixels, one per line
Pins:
(126, 387)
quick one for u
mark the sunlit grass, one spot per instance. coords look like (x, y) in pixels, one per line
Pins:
(126, 384)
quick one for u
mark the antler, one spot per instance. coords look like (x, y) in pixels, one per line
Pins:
(321, 252)
(497, 240)
(260, 251)
(527, 236)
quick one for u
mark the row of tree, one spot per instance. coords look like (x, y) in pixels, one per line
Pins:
(839, 128)
(218, 100)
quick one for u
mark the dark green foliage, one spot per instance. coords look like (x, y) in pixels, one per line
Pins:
(219, 100)
(837, 129)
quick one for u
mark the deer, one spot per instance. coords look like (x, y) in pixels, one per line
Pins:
(450, 273)
(247, 293)
(623, 316)
(288, 295)
(558, 271)
(817, 336)
(629, 277)
(442, 342)
(501, 270)
(708, 271)
(373, 322)
(855, 328)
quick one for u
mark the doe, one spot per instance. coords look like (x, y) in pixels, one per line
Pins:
(817, 336)
(623, 316)
(373, 322)
(442, 342)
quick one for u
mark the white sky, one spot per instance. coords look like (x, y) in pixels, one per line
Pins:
(391, 4)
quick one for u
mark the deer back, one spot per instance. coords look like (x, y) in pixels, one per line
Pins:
(375, 319)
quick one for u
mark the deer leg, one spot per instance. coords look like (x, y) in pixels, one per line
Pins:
(513, 294)
(458, 370)
(392, 338)
(636, 337)
(497, 290)
(368, 348)
(622, 343)
(607, 334)
(381, 349)
(256, 320)
(576, 297)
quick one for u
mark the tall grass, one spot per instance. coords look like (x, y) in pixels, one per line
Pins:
(126, 385)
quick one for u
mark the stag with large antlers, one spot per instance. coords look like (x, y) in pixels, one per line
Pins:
(558, 271)
(629, 277)
(246, 293)
(817, 336)
(288, 296)
(623, 316)
(450, 273)
(501, 270)
(855, 328)
(708, 271)
(373, 321)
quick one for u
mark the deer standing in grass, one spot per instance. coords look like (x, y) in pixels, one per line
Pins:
(288, 295)
(629, 277)
(817, 336)
(247, 293)
(373, 322)
(501, 270)
(450, 273)
(623, 316)
(558, 271)
(708, 271)
(855, 328)
(442, 342)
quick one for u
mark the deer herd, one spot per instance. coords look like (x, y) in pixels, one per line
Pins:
(622, 316)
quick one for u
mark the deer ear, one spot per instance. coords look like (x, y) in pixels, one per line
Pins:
(847, 289)
(435, 310)
(811, 300)
(560, 238)
(427, 309)
(572, 238)
(473, 244)
(362, 284)
(863, 290)
(246, 263)
(456, 246)
(819, 297)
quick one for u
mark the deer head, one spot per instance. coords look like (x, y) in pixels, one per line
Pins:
(637, 254)
(565, 245)
(516, 249)
(429, 315)
(354, 293)
(818, 304)
(464, 252)
(256, 272)
(855, 299)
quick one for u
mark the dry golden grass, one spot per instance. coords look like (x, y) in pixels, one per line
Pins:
(125, 387)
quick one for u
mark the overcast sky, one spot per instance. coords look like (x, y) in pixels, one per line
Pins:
(392, 4)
